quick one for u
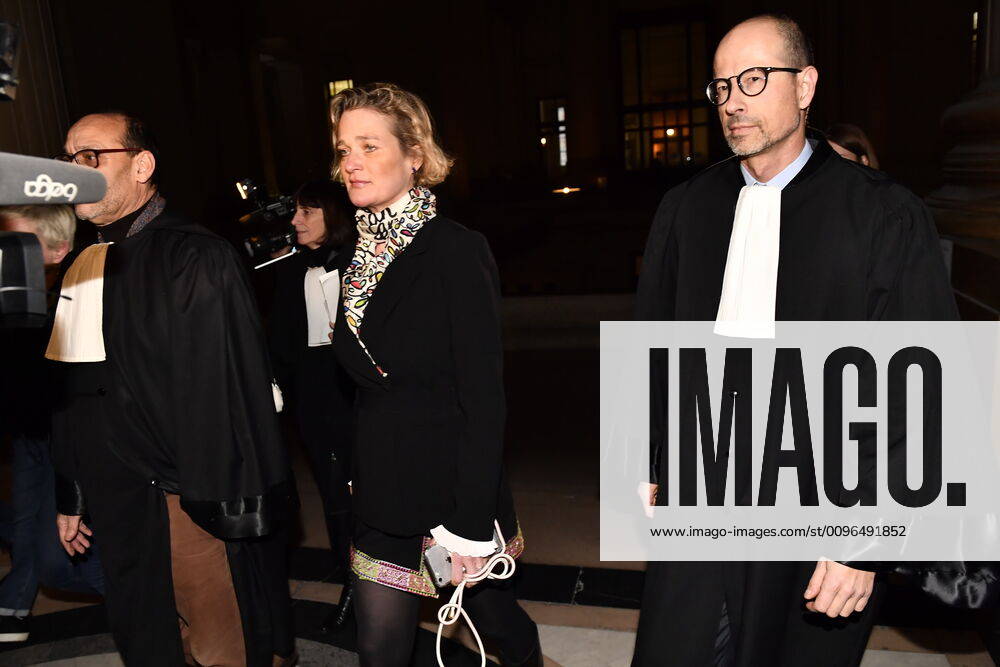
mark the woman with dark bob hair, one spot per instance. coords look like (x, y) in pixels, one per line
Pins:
(419, 333)
(851, 143)
(315, 388)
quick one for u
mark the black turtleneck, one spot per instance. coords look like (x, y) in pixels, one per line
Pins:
(117, 231)
(317, 256)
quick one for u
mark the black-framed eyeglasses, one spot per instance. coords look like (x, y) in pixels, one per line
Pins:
(751, 81)
(91, 157)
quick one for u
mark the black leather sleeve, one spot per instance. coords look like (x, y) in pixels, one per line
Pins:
(69, 497)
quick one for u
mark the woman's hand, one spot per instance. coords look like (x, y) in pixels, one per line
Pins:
(462, 565)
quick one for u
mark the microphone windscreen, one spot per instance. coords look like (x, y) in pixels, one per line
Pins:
(36, 180)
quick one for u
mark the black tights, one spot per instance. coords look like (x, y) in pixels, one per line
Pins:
(387, 622)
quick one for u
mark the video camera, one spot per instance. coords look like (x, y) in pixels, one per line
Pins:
(269, 223)
(31, 180)
(8, 61)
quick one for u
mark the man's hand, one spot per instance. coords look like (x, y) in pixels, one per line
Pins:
(73, 534)
(838, 590)
(647, 496)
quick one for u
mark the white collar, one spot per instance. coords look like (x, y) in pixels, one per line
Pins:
(785, 176)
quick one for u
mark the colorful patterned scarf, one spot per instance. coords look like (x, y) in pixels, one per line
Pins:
(395, 225)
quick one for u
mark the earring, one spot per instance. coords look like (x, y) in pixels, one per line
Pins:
(413, 170)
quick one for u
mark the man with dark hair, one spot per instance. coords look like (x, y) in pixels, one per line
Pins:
(138, 135)
(166, 434)
(853, 246)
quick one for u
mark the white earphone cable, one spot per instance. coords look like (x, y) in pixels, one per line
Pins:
(449, 613)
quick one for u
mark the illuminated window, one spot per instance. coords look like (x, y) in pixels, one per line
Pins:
(552, 134)
(665, 115)
(342, 84)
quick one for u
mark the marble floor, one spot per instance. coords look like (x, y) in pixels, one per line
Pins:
(570, 646)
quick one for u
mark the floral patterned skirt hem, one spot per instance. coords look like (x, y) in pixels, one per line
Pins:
(417, 581)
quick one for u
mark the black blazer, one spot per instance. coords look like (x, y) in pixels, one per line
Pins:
(429, 437)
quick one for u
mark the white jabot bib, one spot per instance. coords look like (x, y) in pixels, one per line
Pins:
(746, 309)
(321, 291)
(78, 331)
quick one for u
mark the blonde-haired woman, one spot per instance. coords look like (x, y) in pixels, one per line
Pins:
(419, 333)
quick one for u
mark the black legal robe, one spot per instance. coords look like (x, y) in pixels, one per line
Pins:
(182, 404)
(854, 245)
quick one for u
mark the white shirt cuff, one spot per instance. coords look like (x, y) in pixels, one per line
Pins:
(460, 545)
(279, 398)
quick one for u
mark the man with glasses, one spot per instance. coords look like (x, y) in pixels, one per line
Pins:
(853, 246)
(165, 434)
(127, 158)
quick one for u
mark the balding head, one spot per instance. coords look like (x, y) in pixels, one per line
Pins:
(129, 173)
(755, 124)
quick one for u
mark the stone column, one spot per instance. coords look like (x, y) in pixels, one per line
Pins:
(967, 206)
